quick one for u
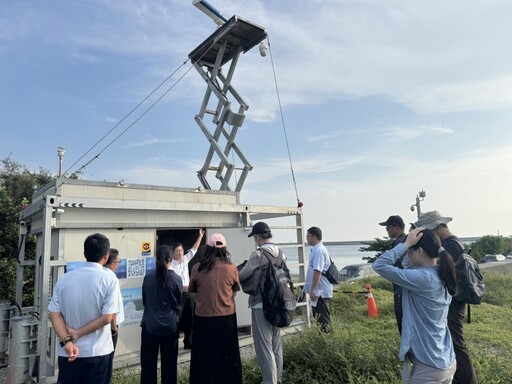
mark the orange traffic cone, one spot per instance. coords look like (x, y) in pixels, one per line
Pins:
(372, 307)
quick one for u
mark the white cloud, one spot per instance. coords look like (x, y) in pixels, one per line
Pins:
(153, 141)
(413, 132)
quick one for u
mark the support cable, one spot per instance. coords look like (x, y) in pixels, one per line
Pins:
(138, 118)
(125, 117)
(299, 203)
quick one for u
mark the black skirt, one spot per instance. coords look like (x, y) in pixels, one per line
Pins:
(215, 354)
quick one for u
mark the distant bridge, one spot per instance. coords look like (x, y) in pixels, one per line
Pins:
(361, 242)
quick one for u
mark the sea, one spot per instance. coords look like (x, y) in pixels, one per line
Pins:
(342, 255)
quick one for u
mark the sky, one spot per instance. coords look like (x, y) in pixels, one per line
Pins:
(381, 99)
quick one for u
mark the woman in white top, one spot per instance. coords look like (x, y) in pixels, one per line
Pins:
(180, 267)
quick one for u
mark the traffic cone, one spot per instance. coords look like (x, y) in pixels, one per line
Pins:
(372, 307)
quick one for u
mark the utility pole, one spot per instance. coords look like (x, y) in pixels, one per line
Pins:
(419, 197)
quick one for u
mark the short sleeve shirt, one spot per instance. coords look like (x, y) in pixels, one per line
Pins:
(319, 260)
(81, 296)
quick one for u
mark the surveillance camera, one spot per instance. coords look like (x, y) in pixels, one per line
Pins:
(412, 208)
(263, 47)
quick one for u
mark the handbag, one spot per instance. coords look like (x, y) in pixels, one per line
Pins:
(332, 274)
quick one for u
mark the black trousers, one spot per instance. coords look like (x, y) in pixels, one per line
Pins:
(397, 303)
(465, 373)
(187, 310)
(168, 346)
(322, 313)
(111, 359)
(84, 370)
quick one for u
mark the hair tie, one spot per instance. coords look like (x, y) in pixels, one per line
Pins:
(441, 249)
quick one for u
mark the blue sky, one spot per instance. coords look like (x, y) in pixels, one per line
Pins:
(381, 99)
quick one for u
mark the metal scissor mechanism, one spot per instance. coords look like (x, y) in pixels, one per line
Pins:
(222, 101)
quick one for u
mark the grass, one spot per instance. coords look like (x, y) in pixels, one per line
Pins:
(362, 350)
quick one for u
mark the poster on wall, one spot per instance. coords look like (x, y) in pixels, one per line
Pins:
(132, 303)
(146, 248)
(70, 265)
(121, 269)
(150, 264)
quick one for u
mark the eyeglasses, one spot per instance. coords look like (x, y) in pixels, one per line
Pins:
(390, 226)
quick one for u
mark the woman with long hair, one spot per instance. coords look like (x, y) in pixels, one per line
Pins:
(214, 281)
(429, 282)
(161, 297)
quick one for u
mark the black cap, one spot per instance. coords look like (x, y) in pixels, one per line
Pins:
(394, 220)
(260, 228)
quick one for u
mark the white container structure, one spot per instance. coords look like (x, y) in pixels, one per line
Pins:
(136, 219)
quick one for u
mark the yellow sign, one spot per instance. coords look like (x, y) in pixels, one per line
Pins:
(146, 248)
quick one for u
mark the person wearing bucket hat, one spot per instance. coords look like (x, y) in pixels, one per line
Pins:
(213, 283)
(395, 227)
(465, 373)
(267, 337)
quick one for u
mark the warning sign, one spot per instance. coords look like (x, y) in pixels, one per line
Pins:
(146, 248)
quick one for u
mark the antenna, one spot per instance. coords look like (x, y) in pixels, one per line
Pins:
(209, 11)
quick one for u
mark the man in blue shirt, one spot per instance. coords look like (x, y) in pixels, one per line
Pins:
(319, 288)
(395, 227)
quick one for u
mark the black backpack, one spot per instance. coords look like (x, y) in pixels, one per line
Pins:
(470, 282)
(276, 289)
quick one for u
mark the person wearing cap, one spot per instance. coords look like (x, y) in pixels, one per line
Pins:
(395, 228)
(317, 285)
(180, 266)
(465, 373)
(215, 358)
(267, 337)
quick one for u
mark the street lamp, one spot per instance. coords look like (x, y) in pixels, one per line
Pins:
(61, 152)
(419, 197)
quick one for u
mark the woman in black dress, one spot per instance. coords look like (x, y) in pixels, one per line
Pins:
(161, 297)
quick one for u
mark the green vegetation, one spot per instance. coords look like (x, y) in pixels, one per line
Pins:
(378, 245)
(17, 184)
(362, 350)
(490, 245)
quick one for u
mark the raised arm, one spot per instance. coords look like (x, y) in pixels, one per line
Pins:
(411, 278)
(195, 247)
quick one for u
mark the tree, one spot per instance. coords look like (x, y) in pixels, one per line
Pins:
(379, 245)
(490, 245)
(17, 184)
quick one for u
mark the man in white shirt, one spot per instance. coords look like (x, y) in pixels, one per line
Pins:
(319, 288)
(84, 302)
(180, 267)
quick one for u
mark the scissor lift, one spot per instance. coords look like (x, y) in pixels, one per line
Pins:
(224, 47)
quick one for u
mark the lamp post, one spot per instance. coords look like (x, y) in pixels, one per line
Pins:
(61, 152)
(419, 197)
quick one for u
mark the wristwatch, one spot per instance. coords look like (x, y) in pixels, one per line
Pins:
(66, 340)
